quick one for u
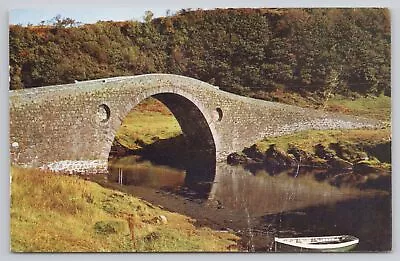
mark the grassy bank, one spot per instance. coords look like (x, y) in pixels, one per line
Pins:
(149, 121)
(56, 213)
(370, 144)
(306, 140)
(370, 107)
(377, 107)
(344, 158)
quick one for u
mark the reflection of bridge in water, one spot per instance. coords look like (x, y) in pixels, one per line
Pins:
(233, 187)
(77, 122)
(239, 189)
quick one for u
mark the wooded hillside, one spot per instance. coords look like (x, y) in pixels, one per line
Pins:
(246, 51)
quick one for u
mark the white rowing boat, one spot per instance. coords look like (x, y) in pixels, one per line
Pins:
(341, 243)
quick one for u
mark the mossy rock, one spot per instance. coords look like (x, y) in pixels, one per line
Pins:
(236, 158)
(254, 153)
(110, 227)
(299, 154)
(323, 153)
(349, 151)
(318, 163)
(366, 167)
(275, 157)
(338, 163)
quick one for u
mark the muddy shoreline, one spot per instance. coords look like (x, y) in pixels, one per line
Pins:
(257, 233)
(338, 164)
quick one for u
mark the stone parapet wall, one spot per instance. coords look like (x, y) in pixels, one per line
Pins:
(77, 122)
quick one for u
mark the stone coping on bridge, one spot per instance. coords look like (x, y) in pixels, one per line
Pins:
(60, 125)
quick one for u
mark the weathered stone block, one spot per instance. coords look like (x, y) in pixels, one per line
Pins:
(58, 123)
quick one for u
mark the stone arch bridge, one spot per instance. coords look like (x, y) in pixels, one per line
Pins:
(75, 124)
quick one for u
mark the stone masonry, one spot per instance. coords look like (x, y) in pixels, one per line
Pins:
(53, 125)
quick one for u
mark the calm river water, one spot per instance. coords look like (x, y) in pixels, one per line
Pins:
(260, 206)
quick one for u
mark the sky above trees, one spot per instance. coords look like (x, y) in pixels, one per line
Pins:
(35, 11)
(90, 14)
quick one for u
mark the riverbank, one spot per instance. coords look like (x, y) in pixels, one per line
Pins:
(357, 158)
(151, 120)
(57, 213)
(239, 203)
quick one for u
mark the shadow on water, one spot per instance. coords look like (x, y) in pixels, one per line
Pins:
(164, 158)
(138, 172)
(367, 218)
(257, 206)
(171, 152)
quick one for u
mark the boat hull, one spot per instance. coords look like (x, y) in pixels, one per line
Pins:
(292, 249)
(342, 243)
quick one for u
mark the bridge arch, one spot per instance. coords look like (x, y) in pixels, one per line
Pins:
(194, 120)
(72, 126)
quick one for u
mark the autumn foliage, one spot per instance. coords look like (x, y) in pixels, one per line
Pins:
(245, 51)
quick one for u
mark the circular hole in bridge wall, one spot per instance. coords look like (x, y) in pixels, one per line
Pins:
(217, 115)
(103, 113)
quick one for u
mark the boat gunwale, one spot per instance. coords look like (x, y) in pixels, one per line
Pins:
(308, 245)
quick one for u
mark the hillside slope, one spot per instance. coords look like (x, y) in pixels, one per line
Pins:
(57, 213)
(253, 52)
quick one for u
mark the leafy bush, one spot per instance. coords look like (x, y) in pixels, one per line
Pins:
(245, 51)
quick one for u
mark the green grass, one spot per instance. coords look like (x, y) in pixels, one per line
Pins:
(353, 143)
(307, 139)
(369, 107)
(377, 107)
(56, 213)
(148, 122)
(151, 121)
